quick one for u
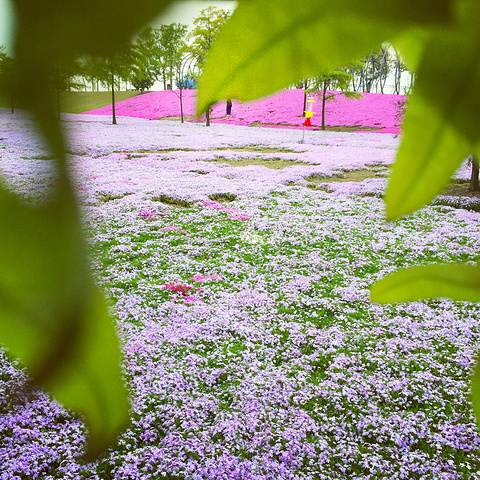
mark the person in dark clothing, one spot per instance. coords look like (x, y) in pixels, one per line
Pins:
(229, 107)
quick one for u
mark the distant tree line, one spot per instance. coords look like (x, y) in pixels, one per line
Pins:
(169, 54)
(156, 54)
(370, 73)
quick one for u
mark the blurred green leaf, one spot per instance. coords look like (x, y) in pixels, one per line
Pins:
(475, 389)
(428, 156)
(441, 124)
(455, 281)
(267, 46)
(448, 75)
(62, 29)
(52, 317)
(89, 379)
(411, 44)
(51, 32)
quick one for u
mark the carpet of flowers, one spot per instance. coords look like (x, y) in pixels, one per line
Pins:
(251, 349)
(283, 109)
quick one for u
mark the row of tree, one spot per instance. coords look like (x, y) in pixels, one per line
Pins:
(169, 53)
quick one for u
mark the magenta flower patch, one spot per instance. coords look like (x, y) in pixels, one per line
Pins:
(278, 110)
(147, 215)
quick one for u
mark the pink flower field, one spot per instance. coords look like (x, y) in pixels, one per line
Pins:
(284, 109)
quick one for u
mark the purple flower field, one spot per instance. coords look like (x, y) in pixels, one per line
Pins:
(240, 293)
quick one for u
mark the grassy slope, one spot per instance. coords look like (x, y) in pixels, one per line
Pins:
(77, 102)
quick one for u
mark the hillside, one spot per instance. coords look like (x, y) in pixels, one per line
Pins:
(282, 110)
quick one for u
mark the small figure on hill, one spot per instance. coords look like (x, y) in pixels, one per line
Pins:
(229, 107)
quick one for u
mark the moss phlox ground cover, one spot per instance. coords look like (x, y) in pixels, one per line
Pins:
(284, 108)
(251, 349)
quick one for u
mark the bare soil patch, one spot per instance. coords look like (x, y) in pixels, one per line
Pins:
(457, 189)
(351, 175)
(273, 163)
(328, 128)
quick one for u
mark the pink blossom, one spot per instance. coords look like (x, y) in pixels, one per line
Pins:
(146, 214)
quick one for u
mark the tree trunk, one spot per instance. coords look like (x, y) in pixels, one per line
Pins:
(304, 98)
(354, 88)
(474, 183)
(361, 82)
(58, 102)
(324, 101)
(382, 84)
(207, 116)
(181, 102)
(11, 103)
(114, 118)
(398, 76)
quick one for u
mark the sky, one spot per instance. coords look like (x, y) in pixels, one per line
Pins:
(182, 11)
(186, 11)
(6, 24)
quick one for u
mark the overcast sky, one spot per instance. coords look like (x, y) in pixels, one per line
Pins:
(183, 11)
(6, 26)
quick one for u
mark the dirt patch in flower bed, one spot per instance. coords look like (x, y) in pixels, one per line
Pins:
(272, 163)
(460, 189)
(257, 148)
(328, 128)
(175, 117)
(351, 176)
(172, 201)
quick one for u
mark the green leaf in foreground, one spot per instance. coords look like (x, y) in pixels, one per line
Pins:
(52, 317)
(455, 281)
(430, 153)
(266, 46)
(475, 392)
(441, 124)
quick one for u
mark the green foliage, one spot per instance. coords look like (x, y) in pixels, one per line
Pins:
(206, 29)
(172, 44)
(51, 315)
(169, 200)
(148, 59)
(222, 197)
(430, 153)
(455, 281)
(158, 53)
(6, 69)
(333, 80)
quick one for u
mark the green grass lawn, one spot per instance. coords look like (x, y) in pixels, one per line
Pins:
(78, 102)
